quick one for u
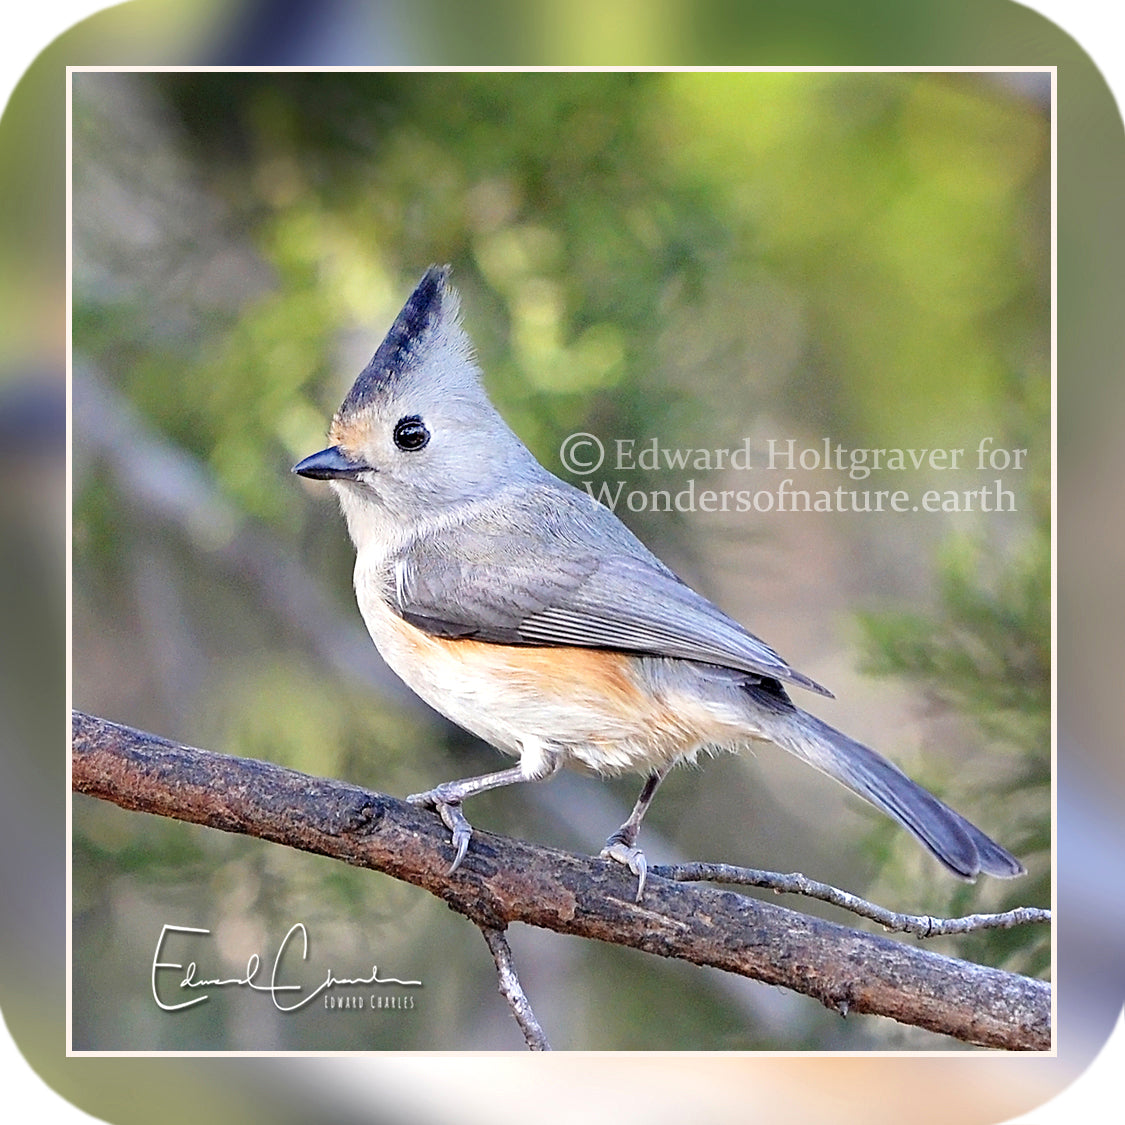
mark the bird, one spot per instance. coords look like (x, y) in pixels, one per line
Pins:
(526, 612)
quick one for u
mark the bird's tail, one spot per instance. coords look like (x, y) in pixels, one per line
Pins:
(959, 845)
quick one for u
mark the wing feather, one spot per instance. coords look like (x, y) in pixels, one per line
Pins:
(588, 582)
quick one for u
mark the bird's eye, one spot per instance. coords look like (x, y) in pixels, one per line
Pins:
(411, 433)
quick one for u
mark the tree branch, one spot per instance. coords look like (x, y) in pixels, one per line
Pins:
(504, 880)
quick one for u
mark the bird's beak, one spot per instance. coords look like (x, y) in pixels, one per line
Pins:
(330, 464)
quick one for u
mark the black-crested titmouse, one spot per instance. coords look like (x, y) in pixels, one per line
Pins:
(527, 612)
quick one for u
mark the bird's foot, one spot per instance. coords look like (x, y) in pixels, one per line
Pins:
(452, 817)
(622, 850)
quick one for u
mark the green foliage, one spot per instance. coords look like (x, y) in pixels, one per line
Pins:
(986, 656)
(614, 235)
(989, 655)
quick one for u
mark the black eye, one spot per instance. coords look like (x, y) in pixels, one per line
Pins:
(411, 433)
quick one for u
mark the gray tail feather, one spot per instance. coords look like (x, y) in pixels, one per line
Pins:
(959, 845)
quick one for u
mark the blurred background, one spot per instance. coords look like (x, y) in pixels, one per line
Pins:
(699, 259)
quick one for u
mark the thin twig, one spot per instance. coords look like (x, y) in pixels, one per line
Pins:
(512, 990)
(921, 925)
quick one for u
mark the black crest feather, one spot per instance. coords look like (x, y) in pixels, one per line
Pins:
(400, 346)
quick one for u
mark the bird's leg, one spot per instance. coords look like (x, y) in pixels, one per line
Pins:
(621, 845)
(536, 763)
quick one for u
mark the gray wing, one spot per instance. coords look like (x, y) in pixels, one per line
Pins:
(587, 581)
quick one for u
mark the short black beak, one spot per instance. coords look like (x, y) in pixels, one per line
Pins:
(330, 464)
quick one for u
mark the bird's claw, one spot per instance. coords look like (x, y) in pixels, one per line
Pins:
(632, 857)
(451, 816)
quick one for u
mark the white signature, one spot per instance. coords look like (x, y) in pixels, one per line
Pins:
(191, 979)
